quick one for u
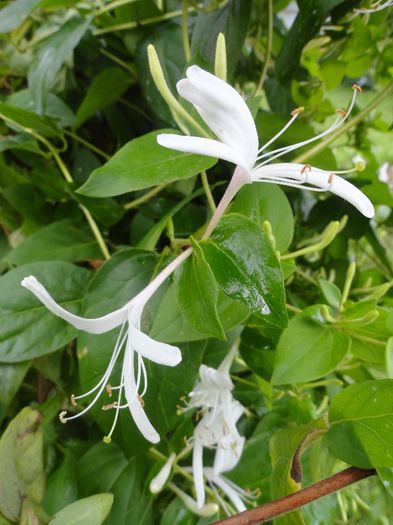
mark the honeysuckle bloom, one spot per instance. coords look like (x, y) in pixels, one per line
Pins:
(233, 492)
(217, 428)
(131, 341)
(226, 113)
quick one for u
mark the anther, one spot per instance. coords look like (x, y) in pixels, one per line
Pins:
(330, 179)
(307, 167)
(342, 112)
(62, 417)
(73, 400)
(107, 440)
(357, 88)
(110, 406)
(109, 390)
(140, 399)
(296, 111)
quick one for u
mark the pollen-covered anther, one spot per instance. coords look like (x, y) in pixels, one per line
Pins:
(342, 112)
(357, 88)
(73, 400)
(296, 111)
(330, 179)
(109, 390)
(110, 406)
(141, 401)
(62, 417)
(306, 167)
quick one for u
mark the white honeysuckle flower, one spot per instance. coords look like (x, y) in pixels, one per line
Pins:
(158, 482)
(232, 491)
(136, 345)
(226, 113)
(378, 6)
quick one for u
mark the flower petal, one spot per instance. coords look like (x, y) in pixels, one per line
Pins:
(208, 147)
(134, 404)
(160, 353)
(229, 451)
(93, 326)
(197, 471)
(229, 491)
(223, 109)
(320, 178)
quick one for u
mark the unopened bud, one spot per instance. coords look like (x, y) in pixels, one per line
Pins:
(158, 482)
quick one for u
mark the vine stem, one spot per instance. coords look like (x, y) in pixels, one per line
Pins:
(343, 129)
(186, 42)
(145, 197)
(298, 499)
(268, 49)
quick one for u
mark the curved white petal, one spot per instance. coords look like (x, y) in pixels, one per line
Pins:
(229, 451)
(208, 147)
(137, 412)
(160, 353)
(223, 109)
(197, 471)
(214, 379)
(93, 326)
(320, 178)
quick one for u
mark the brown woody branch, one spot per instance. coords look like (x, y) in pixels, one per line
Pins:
(298, 499)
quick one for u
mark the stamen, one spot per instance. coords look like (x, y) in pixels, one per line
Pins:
(140, 399)
(110, 406)
(62, 417)
(73, 400)
(357, 88)
(295, 113)
(342, 112)
(109, 390)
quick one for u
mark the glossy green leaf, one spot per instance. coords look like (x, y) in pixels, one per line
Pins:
(86, 511)
(247, 268)
(170, 326)
(21, 463)
(143, 163)
(198, 294)
(106, 88)
(389, 357)
(14, 115)
(361, 424)
(51, 55)
(267, 202)
(308, 350)
(331, 292)
(12, 15)
(64, 241)
(61, 487)
(11, 377)
(27, 328)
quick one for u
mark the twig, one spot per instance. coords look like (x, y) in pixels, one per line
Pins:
(298, 499)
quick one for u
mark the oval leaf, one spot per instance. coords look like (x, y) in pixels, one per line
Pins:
(86, 511)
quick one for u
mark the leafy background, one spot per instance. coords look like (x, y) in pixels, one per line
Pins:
(79, 116)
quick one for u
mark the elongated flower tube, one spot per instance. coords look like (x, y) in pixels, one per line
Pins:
(131, 342)
(226, 113)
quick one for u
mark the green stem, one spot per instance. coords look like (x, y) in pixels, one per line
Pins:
(208, 193)
(348, 125)
(269, 48)
(119, 61)
(145, 197)
(145, 22)
(186, 42)
(87, 144)
(113, 5)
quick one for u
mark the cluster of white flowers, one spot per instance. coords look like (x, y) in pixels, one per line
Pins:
(226, 113)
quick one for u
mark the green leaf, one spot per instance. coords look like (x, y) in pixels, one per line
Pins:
(198, 294)
(14, 13)
(61, 487)
(63, 240)
(308, 350)
(361, 424)
(105, 89)
(86, 511)
(247, 268)
(21, 463)
(51, 55)
(170, 325)
(389, 357)
(283, 447)
(21, 141)
(27, 328)
(11, 377)
(27, 119)
(267, 202)
(143, 163)
(331, 292)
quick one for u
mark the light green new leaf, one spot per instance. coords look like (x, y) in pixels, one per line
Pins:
(86, 511)
(63, 240)
(143, 163)
(106, 88)
(247, 268)
(51, 55)
(27, 328)
(308, 350)
(21, 463)
(331, 292)
(14, 13)
(361, 424)
(198, 294)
